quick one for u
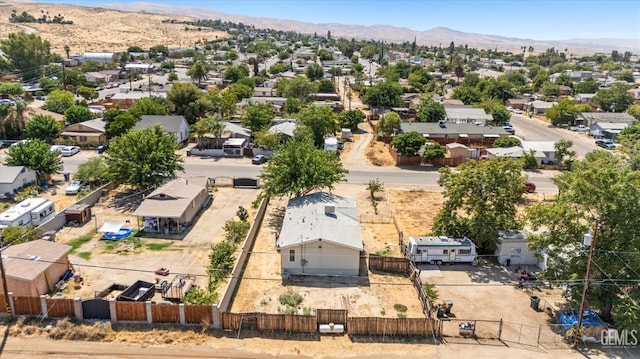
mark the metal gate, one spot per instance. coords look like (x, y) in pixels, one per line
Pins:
(96, 309)
(245, 182)
(524, 334)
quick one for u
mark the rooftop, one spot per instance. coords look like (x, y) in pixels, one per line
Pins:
(441, 241)
(27, 260)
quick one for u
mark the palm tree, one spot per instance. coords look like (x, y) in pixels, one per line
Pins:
(207, 125)
(199, 71)
(12, 116)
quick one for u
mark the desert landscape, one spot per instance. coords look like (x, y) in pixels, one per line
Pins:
(98, 29)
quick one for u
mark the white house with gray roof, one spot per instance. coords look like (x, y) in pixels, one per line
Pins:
(320, 235)
(13, 178)
(467, 114)
(175, 125)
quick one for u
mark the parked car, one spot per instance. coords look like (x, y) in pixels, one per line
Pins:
(98, 88)
(163, 271)
(606, 144)
(109, 96)
(17, 143)
(69, 151)
(258, 159)
(579, 128)
(8, 101)
(529, 187)
(518, 111)
(73, 187)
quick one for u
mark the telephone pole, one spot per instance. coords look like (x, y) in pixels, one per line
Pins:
(583, 301)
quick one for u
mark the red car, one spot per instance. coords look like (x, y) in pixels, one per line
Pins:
(162, 271)
(529, 187)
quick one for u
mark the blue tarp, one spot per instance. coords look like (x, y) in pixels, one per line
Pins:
(569, 318)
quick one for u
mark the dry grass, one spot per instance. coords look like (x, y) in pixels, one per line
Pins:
(378, 154)
(96, 29)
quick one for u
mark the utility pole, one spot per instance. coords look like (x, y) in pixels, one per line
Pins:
(583, 301)
(5, 288)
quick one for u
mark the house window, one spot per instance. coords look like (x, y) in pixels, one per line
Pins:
(83, 138)
(518, 250)
(445, 251)
(292, 255)
(418, 251)
(464, 251)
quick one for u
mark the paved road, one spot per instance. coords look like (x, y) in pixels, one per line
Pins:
(533, 129)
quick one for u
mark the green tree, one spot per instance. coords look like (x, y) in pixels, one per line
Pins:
(88, 93)
(19, 234)
(59, 101)
(77, 113)
(299, 88)
(626, 76)
(467, 94)
(314, 72)
(497, 110)
(150, 106)
(480, 200)
(267, 140)
(235, 73)
(629, 138)
(614, 99)
(35, 154)
(143, 158)
(185, 100)
(408, 144)
(207, 125)
(550, 89)
(506, 142)
(27, 53)
(199, 71)
(373, 187)
(120, 124)
(384, 95)
(601, 186)
(94, 172)
(564, 154)
(564, 112)
(351, 119)
(430, 111)
(326, 86)
(221, 261)
(298, 168)
(257, 116)
(172, 77)
(433, 151)
(587, 86)
(320, 120)
(389, 124)
(42, 127)
(10, 88)
(634, 110)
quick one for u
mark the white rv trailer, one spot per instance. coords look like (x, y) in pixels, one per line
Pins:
(33, 211)
(442, 249)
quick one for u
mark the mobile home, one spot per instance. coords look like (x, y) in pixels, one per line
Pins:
(33, 211)
(442, 249)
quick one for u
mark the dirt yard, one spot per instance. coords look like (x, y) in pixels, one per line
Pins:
(262, 281)
(378, 154)
(102, 263)
(95, 29)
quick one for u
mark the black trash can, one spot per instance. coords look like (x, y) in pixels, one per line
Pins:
(100, 149)
(535, 302)
(66, 176)
(508, 262)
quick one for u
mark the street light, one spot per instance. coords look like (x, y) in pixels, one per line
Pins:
(589, 240)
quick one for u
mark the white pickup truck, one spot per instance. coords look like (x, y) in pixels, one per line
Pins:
(580, 128)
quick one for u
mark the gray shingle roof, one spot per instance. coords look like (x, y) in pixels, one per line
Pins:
(306, 221)
(451, 128)
(170, 124)
(607, 117)
(8, 174)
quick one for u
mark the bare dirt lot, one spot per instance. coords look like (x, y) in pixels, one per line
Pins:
(262, 281)
(96, 29)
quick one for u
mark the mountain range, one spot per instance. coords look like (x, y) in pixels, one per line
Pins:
(436, 36)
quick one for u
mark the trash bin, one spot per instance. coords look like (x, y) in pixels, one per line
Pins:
(508, 262)
(449, 305)
(66, 176)
(100, 149)
(535, 302)
(188, 152)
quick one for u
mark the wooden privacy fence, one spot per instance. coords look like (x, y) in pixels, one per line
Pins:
(165, 313)
(60, 307)
(270, 322)
(198, 314)
(426, 327)
(27, 305)
(131, 311)
(335, 316)
(388, 264)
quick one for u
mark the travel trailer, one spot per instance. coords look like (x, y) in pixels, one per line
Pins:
(31, 211)
(442, 249)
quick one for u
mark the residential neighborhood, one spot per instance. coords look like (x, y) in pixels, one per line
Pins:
(271, 182)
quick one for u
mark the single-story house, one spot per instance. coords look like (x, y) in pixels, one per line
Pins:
(320, 235)
(512, 249)
(124, 100)
(514, 152)
(285, 129)
(590, 118)
(91, 133)
(175, 125)
(539, 107)
(33, 268)
(264, 92)
(565, 90)
(546, 147)
(98, 77)
(584, 97)
(607, 130)
(105, 57)
(517, 103)
(172, 207)
(467, 114)
(13, 178)
(465, 133)
(141, 68)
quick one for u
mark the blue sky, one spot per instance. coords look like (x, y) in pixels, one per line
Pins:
(538, 20)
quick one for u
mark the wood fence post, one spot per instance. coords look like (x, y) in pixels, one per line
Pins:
(539, 333)
(77, 308)
(500, 330)
(43, 306)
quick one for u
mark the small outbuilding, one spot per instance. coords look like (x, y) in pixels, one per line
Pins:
(33, 268)
(78, 213)
(513, 250)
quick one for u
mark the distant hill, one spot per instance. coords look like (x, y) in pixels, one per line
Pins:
(435, 36)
